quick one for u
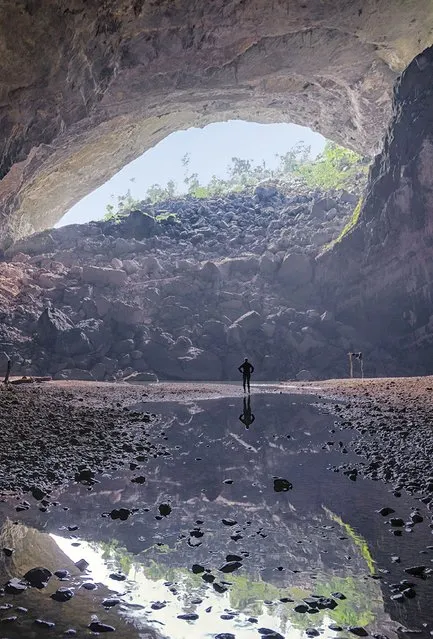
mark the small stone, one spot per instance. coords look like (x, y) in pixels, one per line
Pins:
(62, 574)
(158, 605)
(189, 616)
(229, 522)
(335, 627)
(312, 632)
(8, 551)
(82, 564)
(138, 480)
(197, 569)
(396, 522)
(120, 513)
(88, 585)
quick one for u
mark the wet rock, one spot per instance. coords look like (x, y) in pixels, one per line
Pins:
(38, 493)
(88, 585)
(138, 480)
(229, 522)
(38, 577)
(335, 627)
(158, 605)
(312, 632)
(234, 558)
(416, 518)
(282, 485)
(189, 616)
(225, 635)
(338, 595)
(62, 594)
(97, 626)
(208, 578)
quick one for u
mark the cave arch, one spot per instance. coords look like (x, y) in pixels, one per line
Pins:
(92, 86)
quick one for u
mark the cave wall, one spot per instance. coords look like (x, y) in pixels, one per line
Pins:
(380, 275)
(86, 88)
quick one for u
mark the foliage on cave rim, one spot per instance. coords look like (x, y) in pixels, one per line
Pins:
(335, 168)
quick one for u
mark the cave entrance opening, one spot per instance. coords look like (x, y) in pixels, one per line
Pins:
(212, 160)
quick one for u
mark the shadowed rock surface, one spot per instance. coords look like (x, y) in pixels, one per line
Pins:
(114, 78)
(381, 274)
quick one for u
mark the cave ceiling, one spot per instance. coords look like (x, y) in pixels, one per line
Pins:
(88, 86)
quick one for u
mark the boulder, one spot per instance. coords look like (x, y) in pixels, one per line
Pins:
(319, 207)
(200, 365)
(239, 266)
(103, 276)
(51, 323)
(141, 377)
(249, 322)
(296, 270)
(72, 342)
(304, 376)
(150, 266)
(268, 265)
(138, 225)
(131, 266)
(74, 373)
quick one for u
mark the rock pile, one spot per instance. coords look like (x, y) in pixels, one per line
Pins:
(179, 290)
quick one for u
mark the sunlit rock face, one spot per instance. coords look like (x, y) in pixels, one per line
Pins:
(87, 88)
(381, 274)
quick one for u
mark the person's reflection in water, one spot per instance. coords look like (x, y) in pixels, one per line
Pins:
(247, 417)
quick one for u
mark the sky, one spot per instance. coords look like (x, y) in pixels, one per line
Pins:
(211, 150)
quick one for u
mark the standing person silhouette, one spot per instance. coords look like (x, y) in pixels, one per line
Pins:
(246, 369)
(247, 417)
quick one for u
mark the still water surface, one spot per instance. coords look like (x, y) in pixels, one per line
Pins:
(322, 536)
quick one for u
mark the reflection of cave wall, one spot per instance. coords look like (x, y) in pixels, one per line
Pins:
(34, 549)
(89, 87)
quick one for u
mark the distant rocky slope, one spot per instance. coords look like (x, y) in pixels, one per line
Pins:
(181, 290)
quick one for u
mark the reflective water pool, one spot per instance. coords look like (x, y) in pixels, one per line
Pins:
(245, 526)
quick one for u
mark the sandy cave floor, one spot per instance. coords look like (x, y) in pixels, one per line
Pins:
(50, 431)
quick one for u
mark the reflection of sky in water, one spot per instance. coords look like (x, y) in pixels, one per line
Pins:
(139, 591)
(324, 533)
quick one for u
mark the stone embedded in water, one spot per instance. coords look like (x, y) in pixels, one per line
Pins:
(189, 616)
(197, 569)
(335, 627)
(164, 509)
(38, 577)
(45, 624)
(417, 571)
(138, 480)
(359, 631)
(229, 522)
(38, 493)
(15, 586)
(62, 594)
(300, 608)
(62, 574)
(82, 564)
(110, 602)
(231, 566)
(117, 576)
(219, 588)
(97, 626)
(158, 605)
(270, 634)
(312, 632)
(120, 513)
(234, 558)
(282, 485)
(386, 511)
(225, 635)
(88, 585)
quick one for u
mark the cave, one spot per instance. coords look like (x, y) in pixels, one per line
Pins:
(299, 505)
